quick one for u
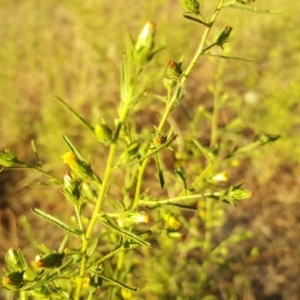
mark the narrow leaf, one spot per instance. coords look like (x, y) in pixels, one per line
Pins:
(72, 147)
(256, 10)
(231, 57)
(124, 232)
(183, 207)
(118, 283)
(149, 85)
(129, 44)
(160, 171)
(148, 155)
(56, 222)
(69, 108)
(124, 79)
(181, 173)
(36, 153)
(161, 178)
(195, 20)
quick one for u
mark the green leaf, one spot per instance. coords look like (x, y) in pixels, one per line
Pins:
(177, 97)
(183, 207)
(129, 44)
(57, 222)
(72, 147)
(148, 155)
(36, 153)
(125, 80)
(161, 178)
(149, 85)
(123, 232)
(182, 174)
(231, 57)
(160, 171)
(256, 10)
(195, 20)
(70, 109)
(116, 282)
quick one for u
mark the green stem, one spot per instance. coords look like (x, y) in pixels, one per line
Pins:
(102, 194)
(77, 210)
(170, 104)
(229, 3)
(209, 47)
(200, 49)
(215, 115)
(94, 218)
(139, 184)
(208, 221)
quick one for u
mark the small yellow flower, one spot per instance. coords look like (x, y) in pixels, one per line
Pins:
(69, 158)
(235, 162)
(86, 281)
(173, 223)
(79, 167)
(170, 219)
(126, 294)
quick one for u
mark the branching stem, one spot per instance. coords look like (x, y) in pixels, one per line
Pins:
(170, 104)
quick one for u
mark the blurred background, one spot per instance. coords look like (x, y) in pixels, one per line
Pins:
(72, 50)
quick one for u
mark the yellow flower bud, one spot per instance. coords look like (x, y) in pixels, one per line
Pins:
(143, 50)
(50, 261)
(13, 280)
(79, 167)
